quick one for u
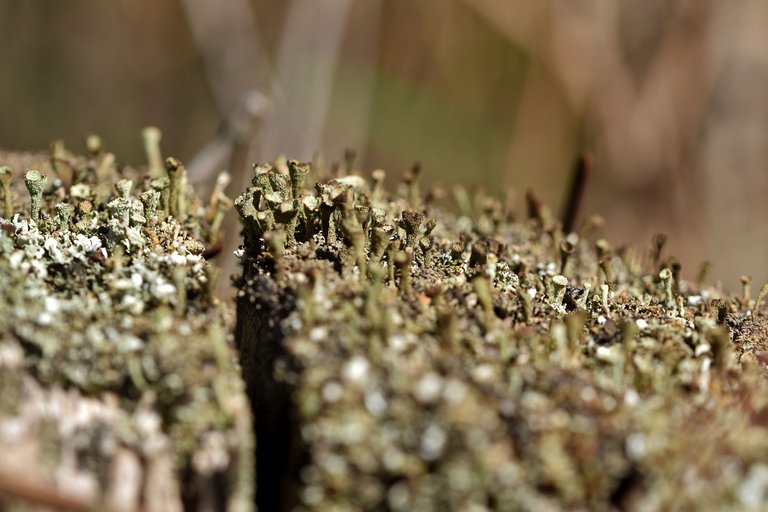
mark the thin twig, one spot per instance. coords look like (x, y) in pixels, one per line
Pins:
(581, 175)
(230, 144)
(310, 49)
(534, 204)
(234, 53)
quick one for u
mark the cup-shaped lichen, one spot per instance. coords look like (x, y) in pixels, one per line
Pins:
(399, 357)
(123, 188)
(149, 200)
(36, 183)
(177, 179)
(110, 322)
(298, 172)
(63, 215)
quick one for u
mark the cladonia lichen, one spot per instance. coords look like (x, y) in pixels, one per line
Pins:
(106, 299)
(401, 357)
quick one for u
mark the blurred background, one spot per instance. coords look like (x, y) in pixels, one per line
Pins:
(669, 96)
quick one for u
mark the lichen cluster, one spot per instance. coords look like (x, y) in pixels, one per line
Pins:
(113, 351)
(400, 357)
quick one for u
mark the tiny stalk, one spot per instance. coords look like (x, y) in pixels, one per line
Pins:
(36, 183)
(760, 297)
(527, 301)
(222, 182)
(149, 200)
(223, 205)
(179, 275)
(566, 251)
(411, 179)
(6, 175)
(152, 136)
(377, 177)
(104, 167)
(483, 290)
(298, 172)
(60, 163)
(411, 222)
(746, 288)
(667, 280)
(403, 261)
(63, 215)
(659, 241)
(559, 286)
(176, 176)
(604, 289)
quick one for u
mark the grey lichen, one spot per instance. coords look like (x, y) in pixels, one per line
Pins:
(400, 357)
(36, 183)
(397, 356)
(105, 301)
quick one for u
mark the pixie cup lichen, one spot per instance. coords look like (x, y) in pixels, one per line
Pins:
(401, 357)
(112, 328)
(36, 183)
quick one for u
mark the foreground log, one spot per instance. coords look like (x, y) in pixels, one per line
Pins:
(119, 389)
(402, 358)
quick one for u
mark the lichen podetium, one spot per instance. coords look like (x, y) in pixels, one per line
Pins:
(400, 357)
(118, 384)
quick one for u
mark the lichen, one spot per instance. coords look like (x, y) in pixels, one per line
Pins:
(401, 357)
(397, 355)
(106, 297)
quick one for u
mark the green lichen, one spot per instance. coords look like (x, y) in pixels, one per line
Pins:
(397, 356)
(400, 357)
(104, 296)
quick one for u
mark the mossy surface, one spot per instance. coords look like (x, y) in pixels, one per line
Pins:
(110, 337)
(400, 357)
